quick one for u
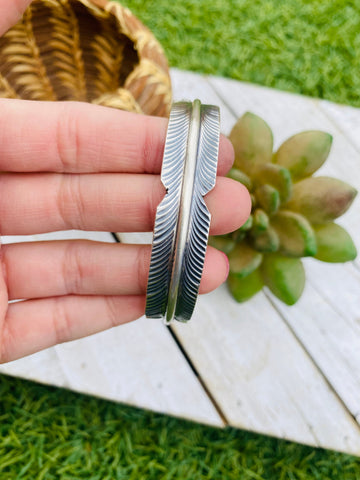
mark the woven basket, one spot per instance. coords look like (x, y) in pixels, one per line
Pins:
(93, 51)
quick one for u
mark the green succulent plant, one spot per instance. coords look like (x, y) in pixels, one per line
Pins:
(292, 212)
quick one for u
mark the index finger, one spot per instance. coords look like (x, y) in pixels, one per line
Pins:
(77, 137)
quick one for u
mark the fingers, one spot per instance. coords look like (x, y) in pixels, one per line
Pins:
(57, 268)
(33, 325)
(81, 138)
(11, 12)
(61, 268)
(39, 203)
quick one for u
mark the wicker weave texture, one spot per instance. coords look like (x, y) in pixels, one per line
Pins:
(93, 51)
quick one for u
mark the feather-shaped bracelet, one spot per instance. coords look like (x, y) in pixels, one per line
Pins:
(182, 220)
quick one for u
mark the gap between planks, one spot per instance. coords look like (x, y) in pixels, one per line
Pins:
(146, 238)
(235, 115)
(343, 143)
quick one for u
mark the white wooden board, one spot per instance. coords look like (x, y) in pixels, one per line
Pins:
(261, 377)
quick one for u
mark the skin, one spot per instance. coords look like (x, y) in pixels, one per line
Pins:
(78, 166)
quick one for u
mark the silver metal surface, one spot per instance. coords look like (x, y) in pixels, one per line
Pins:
(182, 220)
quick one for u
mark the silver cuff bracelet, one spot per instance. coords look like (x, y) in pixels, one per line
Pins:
(182, 220)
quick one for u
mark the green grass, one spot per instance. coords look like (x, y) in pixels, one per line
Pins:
(310, 47)
(304, 46)
(48, 433)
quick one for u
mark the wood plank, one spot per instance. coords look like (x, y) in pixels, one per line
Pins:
(138, 363)
(250, 361)
(64, 235)
(261, 377)
(328, 278)
(346, 118)
(321, 329)
(326, 327)
(256, 372)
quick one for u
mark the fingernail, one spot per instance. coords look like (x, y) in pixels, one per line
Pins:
(227, 265)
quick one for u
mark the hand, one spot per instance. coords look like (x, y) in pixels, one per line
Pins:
(78, 166)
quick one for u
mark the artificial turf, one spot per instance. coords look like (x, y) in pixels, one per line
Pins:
(48, 433)
(310, 47)
(305, 46)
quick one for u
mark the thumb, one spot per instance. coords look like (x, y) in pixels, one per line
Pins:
(10, 13)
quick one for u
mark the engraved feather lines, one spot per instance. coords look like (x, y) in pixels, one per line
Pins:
(21, 64)
(182, 220)
(167, 212)
(205, 178)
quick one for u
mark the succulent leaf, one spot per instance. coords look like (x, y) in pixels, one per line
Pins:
(267, 241)
(321, 199)
(292, 212)
(253, 200)
(244, 260)
(222, 243)
(297, 237)
(284, 276)
(275, 175)
(334, 243)
(239, 235)
(303, 153)
(243, 289)
(260, 221)
(241, 177)
(268, 198)
(252, 139)
(247, 225)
